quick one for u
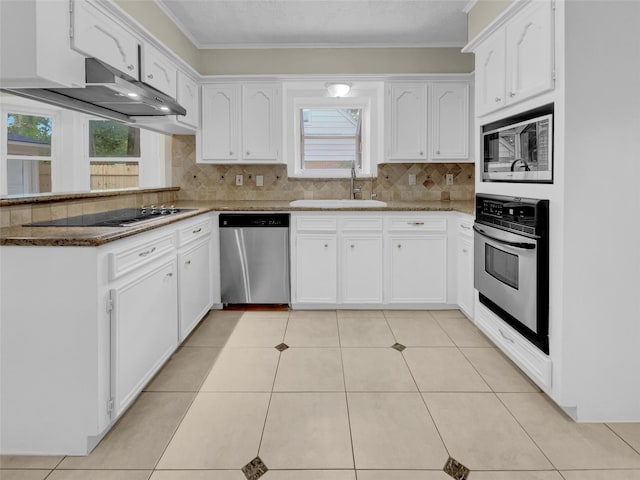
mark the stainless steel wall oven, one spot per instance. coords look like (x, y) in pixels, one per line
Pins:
(511, 271)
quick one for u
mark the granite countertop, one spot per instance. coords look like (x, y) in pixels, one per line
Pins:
(96, 236)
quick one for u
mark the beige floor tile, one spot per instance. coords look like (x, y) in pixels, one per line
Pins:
(256, 331)
(394, 431)
(99, 475)
(312, 330)
(30, 461)
(401, 475)
(23, 474)
(419, 332)
(498, 371)
(214, 330)
(463, 332)
(443, 370)
(198, 475)
(360, 314)
(601, 475)
(364, 332)
(548, 475)
(376, 370)
(220, 431)
(481, 433)
(243, 370)
(310, 370)
(569, 445)
(630, 433)
(139, 438)
(307, 431)
(311, 475)
(185, 371)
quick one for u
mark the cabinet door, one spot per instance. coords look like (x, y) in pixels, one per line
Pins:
(260, 122)
(407, 105)
(220, 139)
(195, 290)
(97, 35)
(530, 52)
(187, 96)
(449, 121)
(315, 269)
(490, 74)
(158, 71)
(465, 275)
(144, 330)
(418, 269)
(361, 269)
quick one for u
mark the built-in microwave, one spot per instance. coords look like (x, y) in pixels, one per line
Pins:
(519, 148)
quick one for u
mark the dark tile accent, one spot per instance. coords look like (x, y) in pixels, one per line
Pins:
(254, 469)
(282, 347)
(398, 346)
(455, 469)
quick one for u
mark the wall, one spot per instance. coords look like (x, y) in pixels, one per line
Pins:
(335, 61)
(483, 13)
(217, 182)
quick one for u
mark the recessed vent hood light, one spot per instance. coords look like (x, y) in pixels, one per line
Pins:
(109, 94)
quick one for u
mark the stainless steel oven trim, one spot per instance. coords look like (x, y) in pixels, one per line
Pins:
(506, 241)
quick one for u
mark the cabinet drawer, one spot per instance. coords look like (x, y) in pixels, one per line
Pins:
(130, 258)
(465, 227)
(372, 224)
(420, 224)
(194, 231)
(316, 224)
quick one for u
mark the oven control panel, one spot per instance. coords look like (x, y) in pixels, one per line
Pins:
(521, 215)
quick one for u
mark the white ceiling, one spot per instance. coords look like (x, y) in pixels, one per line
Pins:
(320, 23)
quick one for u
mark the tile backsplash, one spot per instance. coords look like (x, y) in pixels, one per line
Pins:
(217, 182)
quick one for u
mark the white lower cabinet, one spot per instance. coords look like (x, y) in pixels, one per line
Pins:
(194, 286)
(315, 267)
(144, 333)
(361, 269)
(465, 265)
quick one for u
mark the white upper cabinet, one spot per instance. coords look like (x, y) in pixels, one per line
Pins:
(158, 71)
(34, 46)
(187, 96)
(220, 128)
(515, 62)
(449, 121)
(94, 34)
(241, 123)
(407, 121)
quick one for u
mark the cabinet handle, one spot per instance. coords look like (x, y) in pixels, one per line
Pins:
(437, 152)
(326, 246)
(150, 76)
(353, 246)
(512, 94)
(188, 262)
(421, 153)
(147, 252)
(198, 230)
(416, 223)
(248, 153)
(466, 227)
(130, 67)
(505, 336)
(230, 153)
(498, 99)
(170, 274)
(399, 245)
(464, 250)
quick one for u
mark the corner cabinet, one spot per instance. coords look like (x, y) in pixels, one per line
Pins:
(241, 123)
(515, 61)
(427, 121)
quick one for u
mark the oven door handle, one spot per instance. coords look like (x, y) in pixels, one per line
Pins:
(523, 245)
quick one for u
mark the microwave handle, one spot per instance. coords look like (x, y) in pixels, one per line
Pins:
(523, 245)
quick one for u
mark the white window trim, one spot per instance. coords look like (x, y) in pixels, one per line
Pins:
(367, 96)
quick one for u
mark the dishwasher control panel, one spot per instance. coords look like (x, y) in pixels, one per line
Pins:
(254, 220)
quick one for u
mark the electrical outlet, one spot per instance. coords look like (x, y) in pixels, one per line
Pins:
(412, 179)
(239, 180)
(259, 180)
(449, 178)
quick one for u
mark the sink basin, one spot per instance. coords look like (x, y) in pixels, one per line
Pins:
(338, 203)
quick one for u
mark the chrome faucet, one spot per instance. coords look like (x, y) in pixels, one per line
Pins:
(352, 189)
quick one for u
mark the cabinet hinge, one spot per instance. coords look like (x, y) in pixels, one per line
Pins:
(110, 301)
(553, 4)
(110, 404)
(553, 74)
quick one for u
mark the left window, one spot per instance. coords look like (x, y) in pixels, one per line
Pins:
(29, 153)
(114, 155)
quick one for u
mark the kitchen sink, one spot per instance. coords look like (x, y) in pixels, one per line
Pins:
(345, 203)
(124, 217)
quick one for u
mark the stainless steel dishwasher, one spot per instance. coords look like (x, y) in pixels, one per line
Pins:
(254, 258)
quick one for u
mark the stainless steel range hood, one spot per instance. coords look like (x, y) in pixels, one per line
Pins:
(109, 94)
